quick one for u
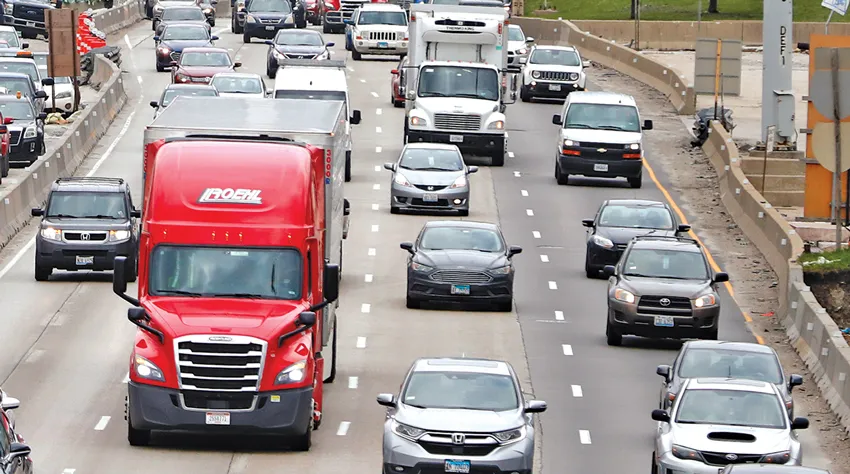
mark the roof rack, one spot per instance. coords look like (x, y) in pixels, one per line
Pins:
(670, 238)
(330, 63)
(89, 179)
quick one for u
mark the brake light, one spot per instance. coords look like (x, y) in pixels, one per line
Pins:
(359, 37)
(788, 405)
(631, 156)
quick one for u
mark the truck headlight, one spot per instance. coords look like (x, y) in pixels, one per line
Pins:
(406, 431)
(535, 74)
(571, 143)
(30, 132)
(147, 369)
(9, 8)
(510, 436)
(119, 235)
(633, 146)
(50, 233)
(624, 296)
(292, 374)
(418, 122)
(63, 95)
(705, 300)
(497, 125)
(250, 19)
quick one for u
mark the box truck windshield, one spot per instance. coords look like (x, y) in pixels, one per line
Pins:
(458, 81)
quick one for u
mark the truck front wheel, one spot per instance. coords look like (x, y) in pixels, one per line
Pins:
(498, 158)
(137, 437)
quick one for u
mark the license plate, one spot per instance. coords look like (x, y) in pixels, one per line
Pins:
(383, 44)
(460, 290)
(457, 466)
(270, 28)
(600, 167)
(456, 138)
(664, 321)
(429, 198)
(218, 418)
(554, 87)
(85, 261)
(30, 23)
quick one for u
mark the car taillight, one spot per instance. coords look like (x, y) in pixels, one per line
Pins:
(631, 156)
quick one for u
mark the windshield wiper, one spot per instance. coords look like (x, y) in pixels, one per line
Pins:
(430, 169)
(638, 275)
(237, 295)
(433, 94)
(474, 96)
(416, 406)
(613, 127)
(100, 216)
(577, 125)
(179, 292)
(61, 216)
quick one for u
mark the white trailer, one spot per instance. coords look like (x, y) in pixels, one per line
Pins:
(457, 85)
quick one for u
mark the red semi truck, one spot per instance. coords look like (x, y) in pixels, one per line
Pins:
(238, 268)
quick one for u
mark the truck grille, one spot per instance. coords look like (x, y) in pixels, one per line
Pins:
(558, 76)
(457, 121)
(609, 146)
(675, 305)
(220, 363)
(719, 459)
(29, 13)
(82, 236)
(474, 444)
(460, 276)
(383, 36)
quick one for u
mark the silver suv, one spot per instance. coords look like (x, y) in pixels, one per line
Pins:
(459, 416)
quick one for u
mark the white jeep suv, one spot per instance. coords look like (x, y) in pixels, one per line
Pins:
(378, 29)
(552, 72)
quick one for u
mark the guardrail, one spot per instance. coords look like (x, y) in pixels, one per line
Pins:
(63, 158)
(676, 88)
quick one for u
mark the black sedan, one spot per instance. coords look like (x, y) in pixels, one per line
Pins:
(295, 44)
(188, 14)
(263, 18)
(460, 262)
(620, 220)
(177, 36)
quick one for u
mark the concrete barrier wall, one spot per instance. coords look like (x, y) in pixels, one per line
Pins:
(678, 90)
(63, 158)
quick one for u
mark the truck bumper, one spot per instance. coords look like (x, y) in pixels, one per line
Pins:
(484, 143)
(278, 413)
(25, 26)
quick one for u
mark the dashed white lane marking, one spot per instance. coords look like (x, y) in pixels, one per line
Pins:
(126, 378)
(377, 168)
(584, 436)
(343, 428)
(529, 212)
(559, 315)
(376, 187)
(378, 130)
(577, 391)
(363, 81)
(361, 342)
(368, 278)
(517, 174)
(101, 425)
(34, 356)
(568, 349)
(372, 252)
(378, 149)
(378, 112)
(544, 258)
(375, 227)
(524, 193)
(374, 94)
(510, 154)
(375, 207)
(127, 40)
(69, 471)
(350, 68)
(352, 382)
(536, 234)
(553, 285)
(365, 308)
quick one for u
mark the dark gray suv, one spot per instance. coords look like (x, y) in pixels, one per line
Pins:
(662, 287)
(87, 223)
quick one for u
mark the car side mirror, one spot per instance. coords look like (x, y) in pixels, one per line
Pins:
(154, 104)
(386, 400)
(330, 45)
(37, 212)
(661, 415)
(10, 403)
(135, 213)
(721, 277)
(586, 64)
(609, 271)
(269, 42)
(355, 117)
(683, 228)
(47, 81)
(794, 380)
(25, 45)
(514, 250)
(587, 222)
(471, 169)
(647, 124)
(269, 92)
(529, 39)
(535, 406)
(407, 246)
(800, 423)
(556, 119)
(17, 450)
(306, 318)
(664, 371)
(41, 95)
(214, 38)
(394, 72)
(390, 166)
(235, 65)
(331, 282)
(156, 39)
(42, 116)
(346, 207)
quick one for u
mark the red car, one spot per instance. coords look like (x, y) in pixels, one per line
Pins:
(396, 95)
(315, 11)
(199, 65)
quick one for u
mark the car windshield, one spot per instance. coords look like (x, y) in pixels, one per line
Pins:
(382, 18)
(731, 407)
(459, 81)
(461, 390)
(184, 33)
(672, 264)
(171, 94)
(622, 118)
(62, 80)
(293, 38)
(515, 33)
(270, 6)
(237, 85)
(557, 57)
(17, 109)
(183, 14)
(236, 272)
(461, 238)
(28, 68)
(431, 159)
(210, 59)
(310, 95)
(87, 204)
(11, 37)
(14, 85)
(636, 217)
(443, 2)
(40, 61)
(711, 362)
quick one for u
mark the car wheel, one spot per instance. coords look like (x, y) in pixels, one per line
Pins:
(271, 72)
(159, 68)
(412, 303)
(636, 181)
(137, 437)
(562, 178)
(524, 95)
(246, 38)
(614, 338)
(42, 273)
(355, 55)
(591, 273)
(326, 29)
(398, 103)
(154, 24)
(212, 22)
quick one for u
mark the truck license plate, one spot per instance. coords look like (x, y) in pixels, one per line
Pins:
(429, 198)
(218, 418)
(664, 321)
(270, 28)
(600, 167)
(554, 87)
(457, 466)
(460, 290)
(383, 44)
(84, 261)
(456, 138)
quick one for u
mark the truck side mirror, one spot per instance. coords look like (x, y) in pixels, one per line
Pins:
(331, 283)
(135, 213)
(355, 117)
(37, 212)
(41, 95)
(664, 371)
(346, 207)
(307, 318)
(556, 119)
(119, 278)
(42, 116)
(25, 45)
(47, 81)
(683, 228)
(647, 124)
(721, 277)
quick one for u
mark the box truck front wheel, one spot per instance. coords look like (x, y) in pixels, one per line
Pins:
(348, 166)
(498, 158)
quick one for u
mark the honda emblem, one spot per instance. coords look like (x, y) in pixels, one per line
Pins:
(458, 438)
(85, 236)
(664, 301)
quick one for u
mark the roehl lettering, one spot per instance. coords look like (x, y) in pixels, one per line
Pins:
(231, 196)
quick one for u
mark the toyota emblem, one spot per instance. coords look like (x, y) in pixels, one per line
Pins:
(731, 457)
(85, 236)
(458, 438)
(601, 150)
(665, 301)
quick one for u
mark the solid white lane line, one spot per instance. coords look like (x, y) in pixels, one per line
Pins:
(524, 193)
(376, 187)
(517, 174)
(378, 149)
(374, 94)
(529, 212)
(127, 40)
(378, 112)
(372, 252)
(510, 154)
(352, 382)
(375, 207)
(559, 315)
(553, 285)
(368, 278)
(101, 425)
(343, 428)
(377, 168)
(577, 391)
(361, 342)
(375, 227)
(544, 258)
(536, 234)
(126, 378)
(584, 436)
(568, 349)
(365, 308)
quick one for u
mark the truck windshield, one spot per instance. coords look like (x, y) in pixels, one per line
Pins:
(620, 118)
(383, 18)
(17, 109)
(11, 37)
(226, 272)
(311, 95)
(459, 81)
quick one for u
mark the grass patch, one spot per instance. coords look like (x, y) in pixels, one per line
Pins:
(826, 261)
(672, 10)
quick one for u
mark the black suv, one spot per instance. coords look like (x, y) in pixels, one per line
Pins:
(87, 223)
(662, 287)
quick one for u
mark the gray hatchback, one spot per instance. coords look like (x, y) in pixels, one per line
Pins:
(430, 177)
(459, 416)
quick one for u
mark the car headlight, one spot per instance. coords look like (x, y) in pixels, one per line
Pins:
(776, 458)
(682, 452)
(571, 143)
(208, 11)
(401, 180)
(624, 296)
(521, 51)
(633, 146)
(9, 9)
(497, 125)
(325, 55)
(250, 19)
(418, 267)
(289, 19)
(418, 122)
(30, 132)
(119, 235)
(705, 300)
(163, 50)
(63, 95)
(602, 242)
(278, 55)
(535, 74)
(511, 436)
(460, 182)
(573, 76)
(51, 234)
(146, 369)
(406, 431)
(292, 374)
(502, 270)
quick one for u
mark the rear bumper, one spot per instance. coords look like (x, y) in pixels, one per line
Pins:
(472, 142)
